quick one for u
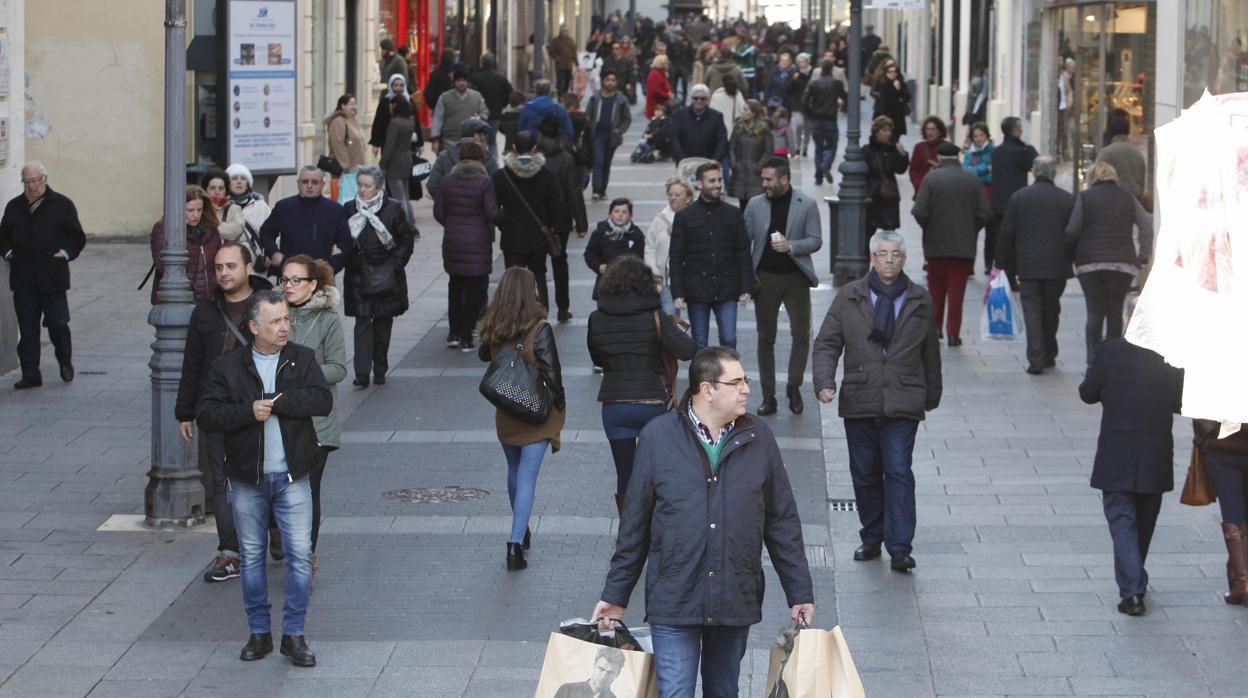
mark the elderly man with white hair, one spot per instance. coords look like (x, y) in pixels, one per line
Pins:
(697, 130)
(39, 235)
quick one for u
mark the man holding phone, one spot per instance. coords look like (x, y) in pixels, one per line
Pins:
(784, 231)
(262, 398)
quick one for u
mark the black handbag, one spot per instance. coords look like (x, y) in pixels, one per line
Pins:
(329, 165)
(553, 243)
(515, 386)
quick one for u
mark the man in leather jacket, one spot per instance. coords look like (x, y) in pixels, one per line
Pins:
(263, 398)
(821, 104)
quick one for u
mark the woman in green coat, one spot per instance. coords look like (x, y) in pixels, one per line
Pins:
(316, 324)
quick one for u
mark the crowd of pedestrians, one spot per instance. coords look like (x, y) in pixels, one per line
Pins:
(263, 358)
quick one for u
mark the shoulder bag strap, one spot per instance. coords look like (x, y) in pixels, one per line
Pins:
(242, 341)
(523, 200)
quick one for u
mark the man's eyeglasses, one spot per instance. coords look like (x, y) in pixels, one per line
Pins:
(33, 180)
(742, 382)
(887, 254)
(291, 281)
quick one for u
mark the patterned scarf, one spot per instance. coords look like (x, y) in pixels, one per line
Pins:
(366, 215)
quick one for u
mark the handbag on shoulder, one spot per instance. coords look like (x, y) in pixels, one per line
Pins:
(515, 386)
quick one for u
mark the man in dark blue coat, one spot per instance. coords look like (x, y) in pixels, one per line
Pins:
(698, 131)
(1011, 161)
(700, 538)
(1139, 394)
(307, 223)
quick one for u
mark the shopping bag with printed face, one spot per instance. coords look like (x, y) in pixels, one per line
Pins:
(813, 664)
(578, 666)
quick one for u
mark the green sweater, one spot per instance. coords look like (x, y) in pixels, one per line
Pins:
(712, 453)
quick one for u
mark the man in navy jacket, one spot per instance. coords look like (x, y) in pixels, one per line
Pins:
(698, 131)
(307, 223)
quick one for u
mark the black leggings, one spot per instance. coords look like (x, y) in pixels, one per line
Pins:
(1104, 293)
(1229, 473)
(622, 451)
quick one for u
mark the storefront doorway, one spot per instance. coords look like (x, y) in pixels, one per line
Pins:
(1108, 51)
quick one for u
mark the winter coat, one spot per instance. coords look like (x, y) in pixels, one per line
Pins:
(796, 90)
(776, 89)
(345, 139)
(381, 122)
(539, 108)
(396, 154)
(562, 52)
(29, 242)
(749, 150)
(561, 164)
(375, 278)
(582, 144)
(622, 339)
(803, 230)
(979, 163)
(1032, 241)
(823, 98)
(625, 68)
(495, 88)
(894, 103)
(1128, 162)
(1100, 227)
(466, 208)
(697, 135)
(225, 406)
(621, 118)
(526, 183)
(658, 90)
(447, 158)
(951, 208)
(439, 83)
(394, 65)
(317, 326)
(902, 383)
(539, 350)
(602, 250)
(1011, 161)
(1139, 394)
(207, 337)
(202, 243)
(700, 541)
(921, 159)
(730, 106)
(710, 253)
(311, 226)
(714, 75)
(659, 242)
(884, 163)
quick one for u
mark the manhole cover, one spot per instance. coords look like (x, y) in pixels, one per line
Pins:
(435, 495)
(843, 505)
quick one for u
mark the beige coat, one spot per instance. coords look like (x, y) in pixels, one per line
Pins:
(346, 140)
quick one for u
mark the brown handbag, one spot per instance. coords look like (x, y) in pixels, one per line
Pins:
(1197, 489)
(670, 365)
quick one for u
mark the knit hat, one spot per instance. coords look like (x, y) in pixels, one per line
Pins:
(948, 150)
(237, 170)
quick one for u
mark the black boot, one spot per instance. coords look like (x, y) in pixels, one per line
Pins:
(296, 647)
(795, 399)
(528, 538)
(258, 645)
(515, 557)
(768, 407)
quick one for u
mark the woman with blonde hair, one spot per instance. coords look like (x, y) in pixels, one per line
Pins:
(315, 323)
(1107, 261)
(752, 142)
(517, 317)
(704, 60)
(659, 239)
(658, 87)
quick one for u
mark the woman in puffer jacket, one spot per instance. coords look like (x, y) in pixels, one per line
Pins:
(466, 207)
(202, 242)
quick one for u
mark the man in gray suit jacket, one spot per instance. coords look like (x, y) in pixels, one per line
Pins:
(784, 229)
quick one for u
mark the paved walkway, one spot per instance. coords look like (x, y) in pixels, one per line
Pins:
(1014, 591)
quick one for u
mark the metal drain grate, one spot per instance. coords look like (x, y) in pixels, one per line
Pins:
(435, 495)
(842, 505)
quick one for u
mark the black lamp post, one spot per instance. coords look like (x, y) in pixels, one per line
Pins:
(850, 262)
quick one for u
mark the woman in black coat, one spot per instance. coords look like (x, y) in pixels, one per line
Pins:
(613, 238)
(885, 160)
(397, 85)
(628, 335)
(375, 279)
(892, 97)
(466, 208)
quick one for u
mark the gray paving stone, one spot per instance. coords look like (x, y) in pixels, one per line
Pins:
(79, 653)
(153, 688)
(441, 680)
(437, 653)
(48, 680)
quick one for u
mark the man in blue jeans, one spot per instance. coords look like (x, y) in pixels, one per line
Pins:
(262, 399)
(710, 260)
(822, 104)
(704, 536)
(885, 325)
(610, 118)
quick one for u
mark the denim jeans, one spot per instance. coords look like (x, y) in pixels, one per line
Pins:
(881, 450)
(725, 320)
(826, 134)
(212, 463)
(603, 153)
(523, 464)
(678, 649)
(291, 505)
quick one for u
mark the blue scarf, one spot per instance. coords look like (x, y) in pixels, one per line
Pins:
(885, 322)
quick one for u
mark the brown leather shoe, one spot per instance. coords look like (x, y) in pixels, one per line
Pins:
(1236, 537)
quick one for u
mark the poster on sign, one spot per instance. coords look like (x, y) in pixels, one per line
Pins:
(260, 94)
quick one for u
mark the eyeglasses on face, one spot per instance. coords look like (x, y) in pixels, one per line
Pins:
(739, 383)
(291, 280)
(888, 254)
(33, 180)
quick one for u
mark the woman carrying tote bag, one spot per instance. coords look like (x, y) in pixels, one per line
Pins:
(516, 317)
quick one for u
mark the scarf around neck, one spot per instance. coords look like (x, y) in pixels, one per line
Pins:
(884, 322)
(366, 215)
(245, 198)
(615, 233)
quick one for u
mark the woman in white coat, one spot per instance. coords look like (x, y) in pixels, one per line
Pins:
(659, 239)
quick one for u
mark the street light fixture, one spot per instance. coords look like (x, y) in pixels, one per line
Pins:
(850, 263)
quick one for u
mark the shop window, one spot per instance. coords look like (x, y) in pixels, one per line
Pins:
(1215, 48)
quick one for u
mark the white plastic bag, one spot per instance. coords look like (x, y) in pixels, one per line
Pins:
(1003, 314)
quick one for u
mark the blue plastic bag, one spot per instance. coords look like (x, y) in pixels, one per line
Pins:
(1003, 314)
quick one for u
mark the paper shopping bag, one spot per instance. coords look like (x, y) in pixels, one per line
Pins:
(818, 665)
(577, 668)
